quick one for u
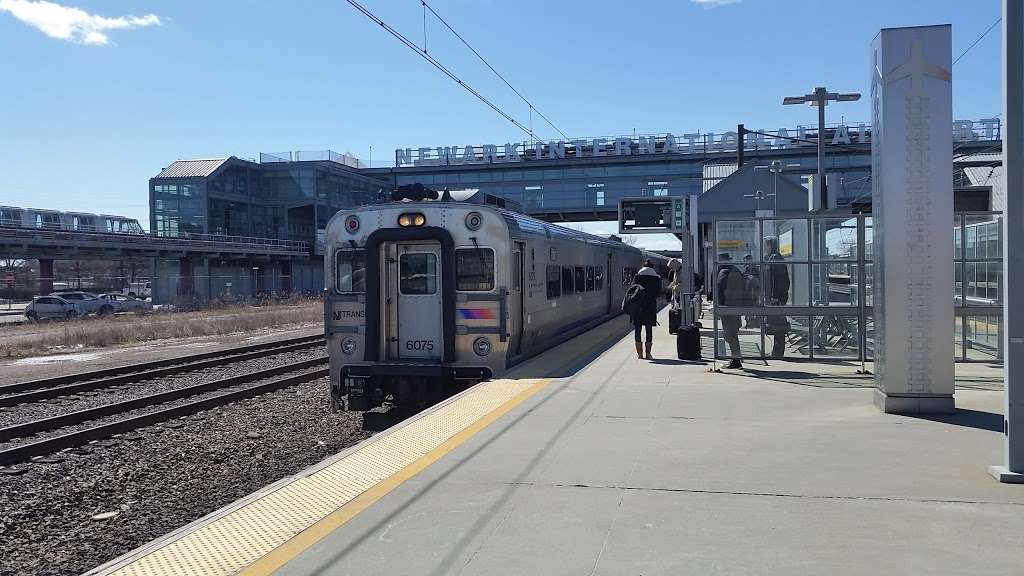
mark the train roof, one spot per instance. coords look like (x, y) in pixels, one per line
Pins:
(517, 221)
(72, 212)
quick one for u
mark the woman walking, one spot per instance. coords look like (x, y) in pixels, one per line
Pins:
(645, 315)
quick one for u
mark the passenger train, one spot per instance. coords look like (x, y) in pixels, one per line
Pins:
(33, 218)
(425, 297)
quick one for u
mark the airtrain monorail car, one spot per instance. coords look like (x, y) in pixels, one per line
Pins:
(424, 296)
(34, 218)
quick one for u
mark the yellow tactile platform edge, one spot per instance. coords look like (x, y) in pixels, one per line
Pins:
(230, 543)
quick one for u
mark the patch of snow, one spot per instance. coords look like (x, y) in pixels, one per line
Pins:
(57, 359)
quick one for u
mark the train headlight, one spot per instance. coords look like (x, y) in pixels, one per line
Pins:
(412, 220)
(482, 346)
(352, 224)
(348, 346)
(474, 220)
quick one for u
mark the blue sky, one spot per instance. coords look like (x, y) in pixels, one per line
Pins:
(92, 107)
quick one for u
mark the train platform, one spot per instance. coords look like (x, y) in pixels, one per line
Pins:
(587, 460)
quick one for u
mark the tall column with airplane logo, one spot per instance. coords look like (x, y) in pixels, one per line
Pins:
(912, 209)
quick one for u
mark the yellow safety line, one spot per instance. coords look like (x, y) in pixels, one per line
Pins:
(302, 541)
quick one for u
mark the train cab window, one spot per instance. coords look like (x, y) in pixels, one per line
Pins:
(417, 273)
(567, 280)
(350, 269)
(474, 269)
(581, 279)
(599, 278)
(590, 278)
(554, 282)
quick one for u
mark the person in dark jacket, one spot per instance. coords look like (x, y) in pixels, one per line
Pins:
(731, 290)
(776, 293)
(646, 315)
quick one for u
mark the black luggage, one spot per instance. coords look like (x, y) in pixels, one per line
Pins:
(675, 318)
(688, 343)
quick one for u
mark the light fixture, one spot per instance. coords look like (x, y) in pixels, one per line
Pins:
(352, 224)
(482, 346)
(348, 346)
(474, 220)
(412, 220)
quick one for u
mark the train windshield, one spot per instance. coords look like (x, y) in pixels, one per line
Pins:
(351, 271)
(474, 269)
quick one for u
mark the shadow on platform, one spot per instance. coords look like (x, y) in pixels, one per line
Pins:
(967, 418)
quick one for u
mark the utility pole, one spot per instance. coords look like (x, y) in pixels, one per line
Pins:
(820, 98)
(1012, 470)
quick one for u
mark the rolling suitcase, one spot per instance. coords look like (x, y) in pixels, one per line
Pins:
(688, 343)
(675, 317)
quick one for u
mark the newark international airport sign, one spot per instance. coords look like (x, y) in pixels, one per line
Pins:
(688, 143)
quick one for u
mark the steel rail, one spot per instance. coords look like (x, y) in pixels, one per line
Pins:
(55, 392)
(23, 452)
(77, 417)
(144, 366)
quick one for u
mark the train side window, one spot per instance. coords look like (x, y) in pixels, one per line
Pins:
(554, 282)
(590, 278)
(567, 280)
(474, 269)
(417, 273)
(581, 279)
(350, 271)
(599, 278)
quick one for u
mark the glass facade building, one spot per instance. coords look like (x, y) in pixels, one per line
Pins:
(235, 197)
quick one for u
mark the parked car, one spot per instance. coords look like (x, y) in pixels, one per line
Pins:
(122, 303)
(89, 303)
(52, 307)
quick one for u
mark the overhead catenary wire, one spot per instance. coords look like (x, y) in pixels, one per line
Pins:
(978, 39)
(422, 52)
(496, 73)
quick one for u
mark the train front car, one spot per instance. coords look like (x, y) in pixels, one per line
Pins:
(416, 300)
(425, 297)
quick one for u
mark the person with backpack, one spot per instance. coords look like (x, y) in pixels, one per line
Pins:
(732, 290)
(641, 303)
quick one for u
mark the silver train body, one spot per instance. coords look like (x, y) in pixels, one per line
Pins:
(424, 296)
(34, 218)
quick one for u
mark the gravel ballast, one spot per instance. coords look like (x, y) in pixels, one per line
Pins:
(161, 477)
(28, 412)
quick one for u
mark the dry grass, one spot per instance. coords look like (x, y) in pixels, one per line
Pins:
(92, 332)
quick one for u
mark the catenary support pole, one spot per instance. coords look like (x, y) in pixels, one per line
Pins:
(1012, 469)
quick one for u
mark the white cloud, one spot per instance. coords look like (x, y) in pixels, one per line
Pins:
(715, 3)
(72, 24)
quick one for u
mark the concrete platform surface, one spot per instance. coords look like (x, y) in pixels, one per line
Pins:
(660, 467)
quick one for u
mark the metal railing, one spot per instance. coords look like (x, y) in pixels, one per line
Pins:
(188, 240)
(827, 311)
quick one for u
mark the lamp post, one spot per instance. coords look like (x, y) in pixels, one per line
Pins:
(820, 98)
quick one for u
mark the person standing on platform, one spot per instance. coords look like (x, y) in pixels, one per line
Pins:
(776, 286)
(646, 314)
(731, 290)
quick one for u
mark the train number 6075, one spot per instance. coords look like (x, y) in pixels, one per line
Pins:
(427, 345)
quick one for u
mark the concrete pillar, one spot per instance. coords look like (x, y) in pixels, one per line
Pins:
(45, 275)
(185, 281)
(1012, 469)
(912, 209)
(286, 276)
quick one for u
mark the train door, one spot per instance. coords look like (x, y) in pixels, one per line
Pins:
(519, 295)
(418, 324)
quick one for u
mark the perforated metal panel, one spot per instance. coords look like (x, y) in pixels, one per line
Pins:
(229, 543)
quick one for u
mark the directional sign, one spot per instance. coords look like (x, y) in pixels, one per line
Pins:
(652, 215)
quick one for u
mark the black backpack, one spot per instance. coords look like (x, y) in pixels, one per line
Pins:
(634, 299)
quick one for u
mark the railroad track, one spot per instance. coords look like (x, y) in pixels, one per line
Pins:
(24, 451)
(47, 388)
